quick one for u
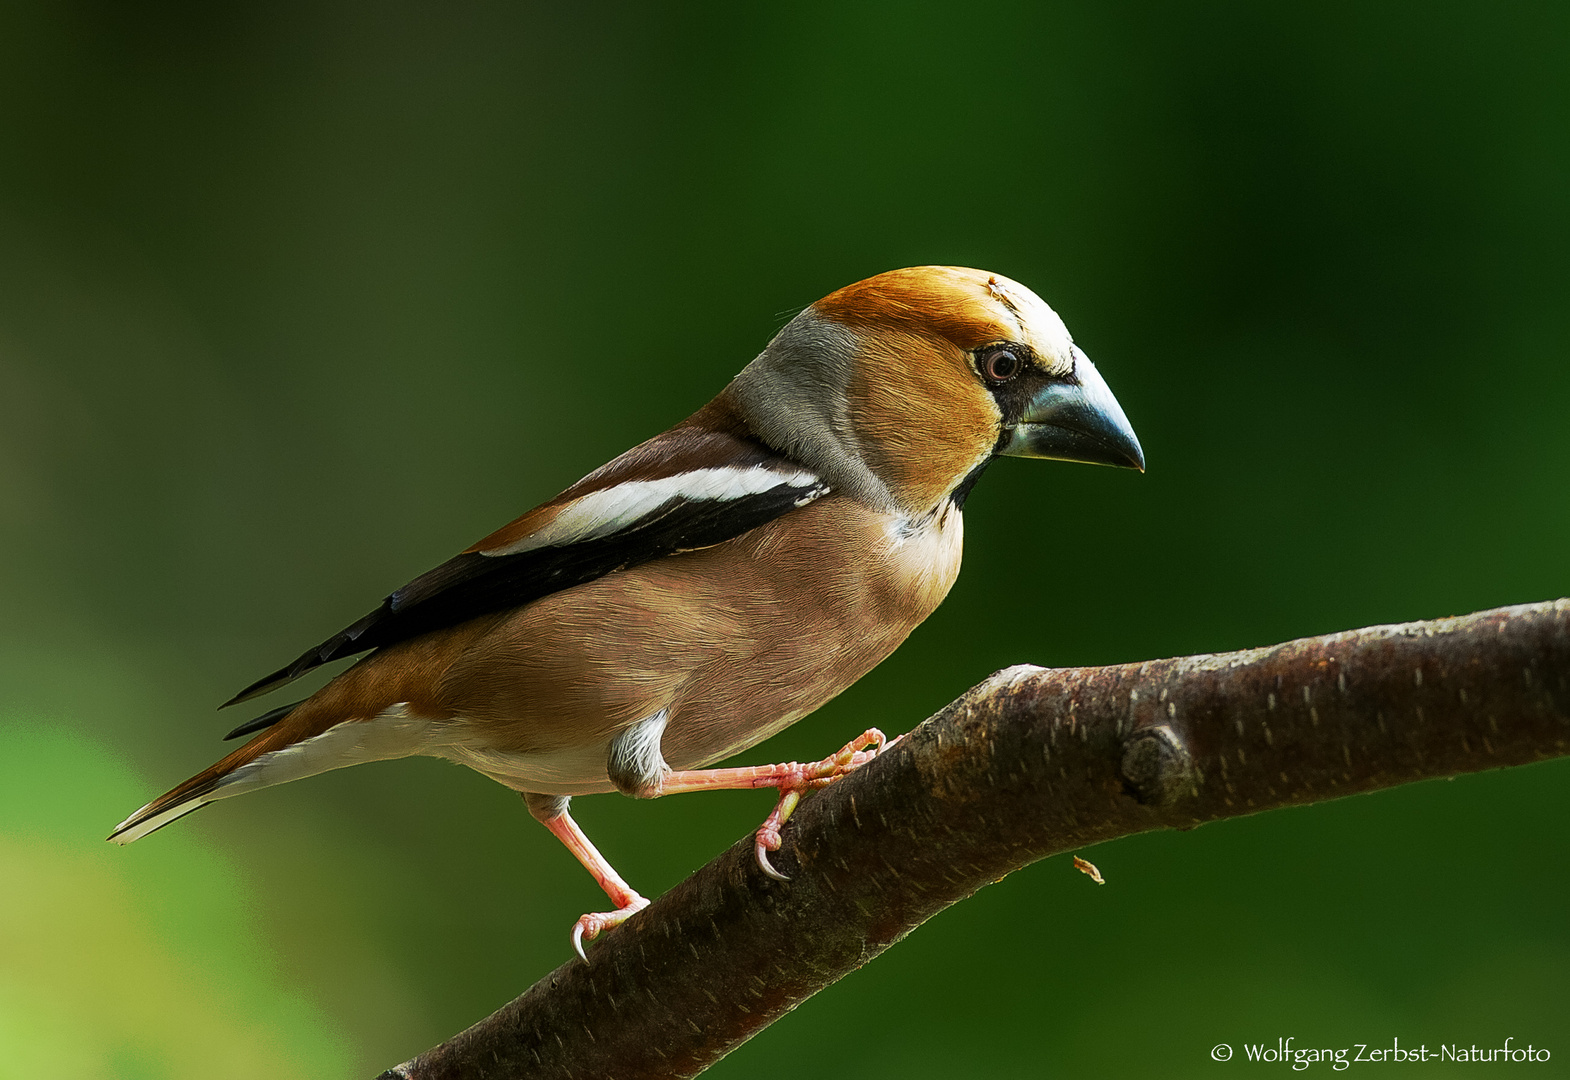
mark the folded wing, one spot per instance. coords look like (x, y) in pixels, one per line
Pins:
(701, 483)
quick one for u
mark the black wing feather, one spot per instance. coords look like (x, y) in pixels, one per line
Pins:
(266, 720)
(472, 584)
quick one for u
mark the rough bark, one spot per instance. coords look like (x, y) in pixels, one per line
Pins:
(1031, 763)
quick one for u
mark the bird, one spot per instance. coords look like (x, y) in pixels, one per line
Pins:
(710, 586)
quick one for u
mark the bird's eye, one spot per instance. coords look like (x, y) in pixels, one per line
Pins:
(999, 365)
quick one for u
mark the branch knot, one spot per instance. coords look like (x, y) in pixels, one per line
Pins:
(1157, 768)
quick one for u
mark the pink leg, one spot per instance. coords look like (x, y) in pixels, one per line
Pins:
(792, 779)
(627, 901)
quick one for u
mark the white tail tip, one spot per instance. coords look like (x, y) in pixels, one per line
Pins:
(135, 827)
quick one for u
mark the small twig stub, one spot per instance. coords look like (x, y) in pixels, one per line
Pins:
(1088, 868)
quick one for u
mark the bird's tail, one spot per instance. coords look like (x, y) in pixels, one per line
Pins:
(194, 794)
(312, 738)
(217, 781)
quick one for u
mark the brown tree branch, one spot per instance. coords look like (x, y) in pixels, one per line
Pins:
(1030, 763)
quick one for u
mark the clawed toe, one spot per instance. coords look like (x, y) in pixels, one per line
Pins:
(590, 926)
(860, 750)
(768, 835)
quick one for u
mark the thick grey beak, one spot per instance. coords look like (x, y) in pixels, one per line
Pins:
(1077, 420)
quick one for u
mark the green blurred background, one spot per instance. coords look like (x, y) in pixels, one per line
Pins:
(297, 300)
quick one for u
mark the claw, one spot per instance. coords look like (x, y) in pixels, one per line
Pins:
(590, 926)
(762, 852)
(860, 750)
(769, 832)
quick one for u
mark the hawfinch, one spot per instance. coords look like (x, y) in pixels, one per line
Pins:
(711, 586)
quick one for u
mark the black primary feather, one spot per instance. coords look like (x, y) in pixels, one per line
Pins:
(266, 720)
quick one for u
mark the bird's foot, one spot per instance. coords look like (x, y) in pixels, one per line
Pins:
(592, 925)
(795, 780)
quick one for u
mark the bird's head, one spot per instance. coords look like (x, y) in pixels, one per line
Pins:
(899, 389)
